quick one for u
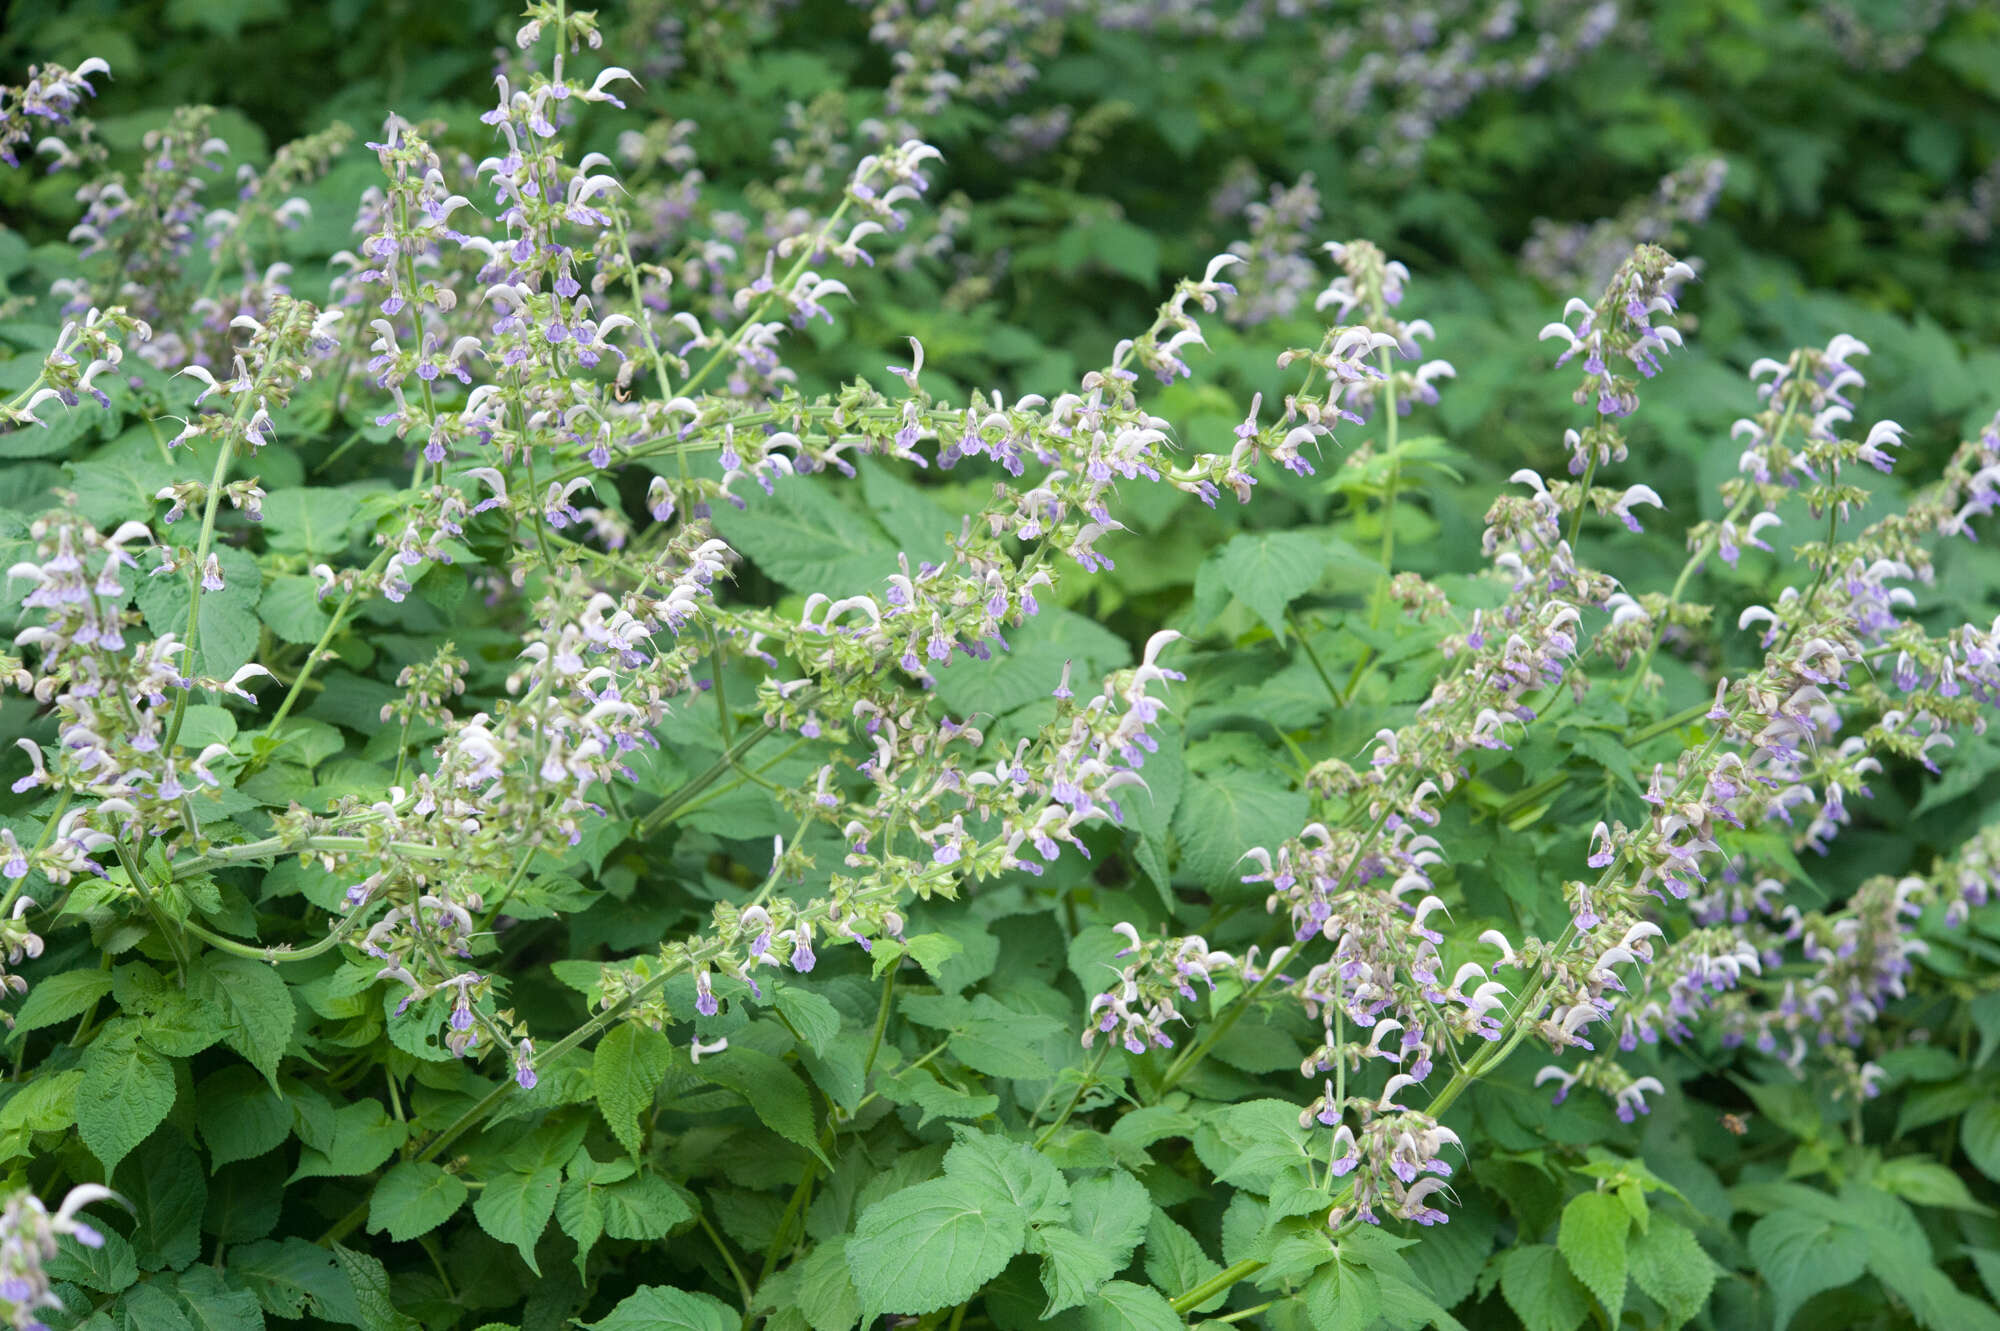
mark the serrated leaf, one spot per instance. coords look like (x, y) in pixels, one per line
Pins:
(126, 1092)
(369, 1280)
(827, 1298)
(1175, 1260)
(581, 1216)
(227, 621)
(1003, 1167)
(1592, 1240)
(644, 1206)
(59, 998)
(515, 1208)
(815, 1019)
(240, 1115)
(1223, 814)
(1073, 1267)
(257, 1010)
(1538, 1286)
(45, 1104)
(1670, 1266)
(1798, 1255)
(932, 1245)
(1343, 1297)
(291, 608)
(664, 1308)
(164, 1182)
(309, 520)
(803, 536)
(148, 1307)
(213, 1304)
(1124, 1306)
(1266, 571)
(107, 1268)
(363, 1136)
(627, 1068)
(775, 1092)
(919, 1087)
(414, 1198)
(1927, 1183)
(1979, 1134)
(294, 1278)
(1111, 1211)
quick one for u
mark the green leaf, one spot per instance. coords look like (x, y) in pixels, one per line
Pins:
(645, 1206)
(291, 608)
(294, 1278)
(178, 1022)
(369, 1280)
(920, 1087)
(664, 1308)
(515, 1208)
(1927, 1183)
(627, 1068)
(1223, 814)
(126, 1092)
(776, 1093)
(581, 1215)
(1073, 1267)
(1266, 571)
(309, 520)
(106, 1269)
(240, 1115)
(414, 1198)
(1175, 1260)
(827, 1298)
(228, 624)
(149, 1307)
(1979, 1133)
(164, 1182)
(804, 537)
(1592, 1241)
(1800, 1255)
(59, 998)
(1012, 1169)
(257, 1007)
(1253, 1143)
(45, 1104)
(1031, 667)
(213, 1304)
(1343, 1297)
(1537, 1285)
(1671, 1267)
(1111, 1211)
(932, 1245)
(1124, 1306)
(363, 1137)
(815, 1019)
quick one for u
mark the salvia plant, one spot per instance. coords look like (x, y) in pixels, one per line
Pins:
(528, 809)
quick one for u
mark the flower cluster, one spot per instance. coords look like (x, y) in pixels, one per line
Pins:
(28, 1235)
(51, 96)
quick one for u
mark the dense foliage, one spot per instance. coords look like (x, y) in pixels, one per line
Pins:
(806, 664)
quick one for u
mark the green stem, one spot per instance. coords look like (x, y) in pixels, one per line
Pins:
(1215, 1284)
(318, 652)
(202, 546)
(1319, 666)
(673, 804)
(735, 1271)
(1088, 1080)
